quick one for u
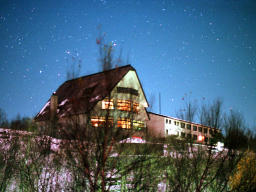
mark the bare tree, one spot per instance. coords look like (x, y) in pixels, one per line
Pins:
(189, 111)
(74, 64)
(3, 119)
(193, 167)
(211, 114)
(95, 145)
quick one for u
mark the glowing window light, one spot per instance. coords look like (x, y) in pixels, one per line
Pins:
(135, 107)
(100, 121)
(200, 138)
(124, 123)
(124, 105)
(107, 104)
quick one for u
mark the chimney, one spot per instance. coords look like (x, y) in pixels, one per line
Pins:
(53, 106)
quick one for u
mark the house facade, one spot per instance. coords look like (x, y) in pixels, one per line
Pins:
(163, 126)
(114, 96)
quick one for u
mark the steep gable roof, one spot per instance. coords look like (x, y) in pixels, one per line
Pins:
(81, 95)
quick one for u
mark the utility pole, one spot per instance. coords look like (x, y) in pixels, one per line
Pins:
(159, 103)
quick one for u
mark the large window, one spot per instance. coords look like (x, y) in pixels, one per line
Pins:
(100, 122)
(107, 104)
(138, 124)
(124, 105)
(124, 123)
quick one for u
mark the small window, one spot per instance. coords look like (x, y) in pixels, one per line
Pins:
(194, 137)
(205, 130)
(166, 131)
(135, 107)
(178, 123)
(170, 121)
(183, 134)
(175, 123)
(194, 128)
(182, 125)
(200, 129)
(107, 104)
(189, 126)
(166, 121)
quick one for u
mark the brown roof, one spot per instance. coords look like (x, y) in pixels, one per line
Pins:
(81, 95)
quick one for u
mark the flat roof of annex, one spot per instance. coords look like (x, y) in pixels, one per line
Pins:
(181, 120)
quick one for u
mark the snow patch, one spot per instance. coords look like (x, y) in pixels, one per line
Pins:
(42, 110)
(133, 139)
(63, 102)
(95, 98)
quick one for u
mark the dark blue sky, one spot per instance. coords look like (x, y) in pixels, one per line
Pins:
(203, 49)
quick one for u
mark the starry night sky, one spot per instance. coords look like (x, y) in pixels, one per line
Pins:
(201, 49)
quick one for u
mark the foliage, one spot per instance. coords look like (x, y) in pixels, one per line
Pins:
(9, 149)
(244, 177)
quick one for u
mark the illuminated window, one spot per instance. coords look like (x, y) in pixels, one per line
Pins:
(107, 104)
(201, 138)
(135, 107)
(124, 123)
(100, 121)
(124, 105)
(138, 124)
(97, 121)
